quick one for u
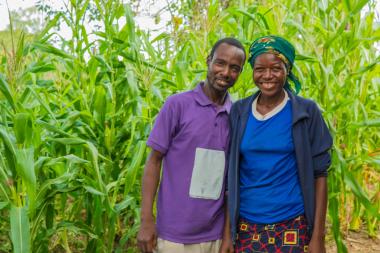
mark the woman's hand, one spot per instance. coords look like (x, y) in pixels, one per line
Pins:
(317, 245)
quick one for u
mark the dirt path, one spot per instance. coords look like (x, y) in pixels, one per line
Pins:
(357, 242)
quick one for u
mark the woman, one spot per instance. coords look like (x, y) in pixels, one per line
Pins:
(278, 160)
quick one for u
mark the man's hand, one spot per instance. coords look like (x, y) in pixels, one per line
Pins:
(147, 237)
(226, 246)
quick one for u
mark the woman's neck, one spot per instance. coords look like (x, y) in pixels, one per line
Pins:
(266, 104)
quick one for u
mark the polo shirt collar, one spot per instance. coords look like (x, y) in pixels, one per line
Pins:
(203, 100)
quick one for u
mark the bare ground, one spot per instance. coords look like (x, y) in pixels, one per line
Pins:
(357, 242)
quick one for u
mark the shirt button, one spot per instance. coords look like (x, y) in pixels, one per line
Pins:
(216, 124)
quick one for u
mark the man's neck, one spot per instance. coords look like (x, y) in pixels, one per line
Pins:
(215, 96)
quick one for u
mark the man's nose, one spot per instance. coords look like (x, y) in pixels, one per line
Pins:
(226, 72)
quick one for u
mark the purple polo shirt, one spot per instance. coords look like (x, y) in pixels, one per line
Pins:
(188, 121)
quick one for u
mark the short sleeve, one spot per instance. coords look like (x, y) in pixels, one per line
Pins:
(164, 127)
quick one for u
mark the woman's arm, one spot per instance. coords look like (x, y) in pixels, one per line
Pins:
(317, 242)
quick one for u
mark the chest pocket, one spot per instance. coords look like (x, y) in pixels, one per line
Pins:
(208, 174)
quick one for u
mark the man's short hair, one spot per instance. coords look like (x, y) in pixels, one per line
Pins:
(230, 41)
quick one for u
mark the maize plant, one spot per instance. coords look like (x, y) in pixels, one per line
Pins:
(75, 113)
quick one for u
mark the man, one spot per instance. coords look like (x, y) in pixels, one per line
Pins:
(191, 137)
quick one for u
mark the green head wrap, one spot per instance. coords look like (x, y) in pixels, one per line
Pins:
(282, 48)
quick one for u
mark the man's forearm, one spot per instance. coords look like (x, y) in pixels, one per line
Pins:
(150, 183)
(227, 229)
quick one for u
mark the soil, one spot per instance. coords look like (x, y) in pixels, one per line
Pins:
(357, 242)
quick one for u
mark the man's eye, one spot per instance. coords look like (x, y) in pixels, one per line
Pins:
(219, 63)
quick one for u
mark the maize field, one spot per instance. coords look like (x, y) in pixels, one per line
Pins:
(75, 112)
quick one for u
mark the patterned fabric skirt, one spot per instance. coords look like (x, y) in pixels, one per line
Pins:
(285, 237)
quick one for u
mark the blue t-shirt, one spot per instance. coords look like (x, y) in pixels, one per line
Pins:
(269, 186)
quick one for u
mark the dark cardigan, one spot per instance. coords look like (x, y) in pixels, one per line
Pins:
(312, 142)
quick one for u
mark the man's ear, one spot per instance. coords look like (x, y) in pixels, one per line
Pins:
(208, 60)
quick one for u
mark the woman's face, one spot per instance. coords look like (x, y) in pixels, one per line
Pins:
(269, 74)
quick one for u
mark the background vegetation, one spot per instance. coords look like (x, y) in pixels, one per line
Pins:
(75, 113)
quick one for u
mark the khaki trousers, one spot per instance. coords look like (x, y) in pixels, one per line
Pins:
(164, 246)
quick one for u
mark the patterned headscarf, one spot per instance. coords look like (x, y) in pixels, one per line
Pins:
(280, 47)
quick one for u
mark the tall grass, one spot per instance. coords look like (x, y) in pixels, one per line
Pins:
(75, 114)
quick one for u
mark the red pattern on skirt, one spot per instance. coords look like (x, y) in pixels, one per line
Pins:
(285, 237)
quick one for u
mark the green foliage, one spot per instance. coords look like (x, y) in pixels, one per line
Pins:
(20, 236)
(75, 114)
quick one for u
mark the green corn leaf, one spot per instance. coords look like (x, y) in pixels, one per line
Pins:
(134, 166)
(247, 14)
(100, 104)
(133, 59)
(130, 25)
(300, 57)
(82, 10)
(94, 155)
(103, 62)
(359, 6)
(123, 204)
(3, 205)
(69, 141)
(4, 192)
(41, 101)
(92, 190)
(52, 23)
(77, 228)
(132, 82)
(23, 128)
(51, 50)
(45, 188)
(334, 213)
(53, 128)
(367, 68)
(25, 168)
(40, 68)
(4, 88)
(20, 234)
(351, 182)
(337, 33)
(161, 36)
(367, 123)
(10, 150)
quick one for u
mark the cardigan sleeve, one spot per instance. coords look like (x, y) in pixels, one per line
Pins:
(232, 125)
(321, 142)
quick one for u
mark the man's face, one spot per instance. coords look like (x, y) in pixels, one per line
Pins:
(224, 67)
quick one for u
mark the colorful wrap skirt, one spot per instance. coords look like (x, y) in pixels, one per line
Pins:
(289, 236)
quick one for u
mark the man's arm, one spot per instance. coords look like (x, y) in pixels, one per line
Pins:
(317, 242)
(147, 235)
(226, 246)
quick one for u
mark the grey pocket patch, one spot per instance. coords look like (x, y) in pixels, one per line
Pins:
(208, 174)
